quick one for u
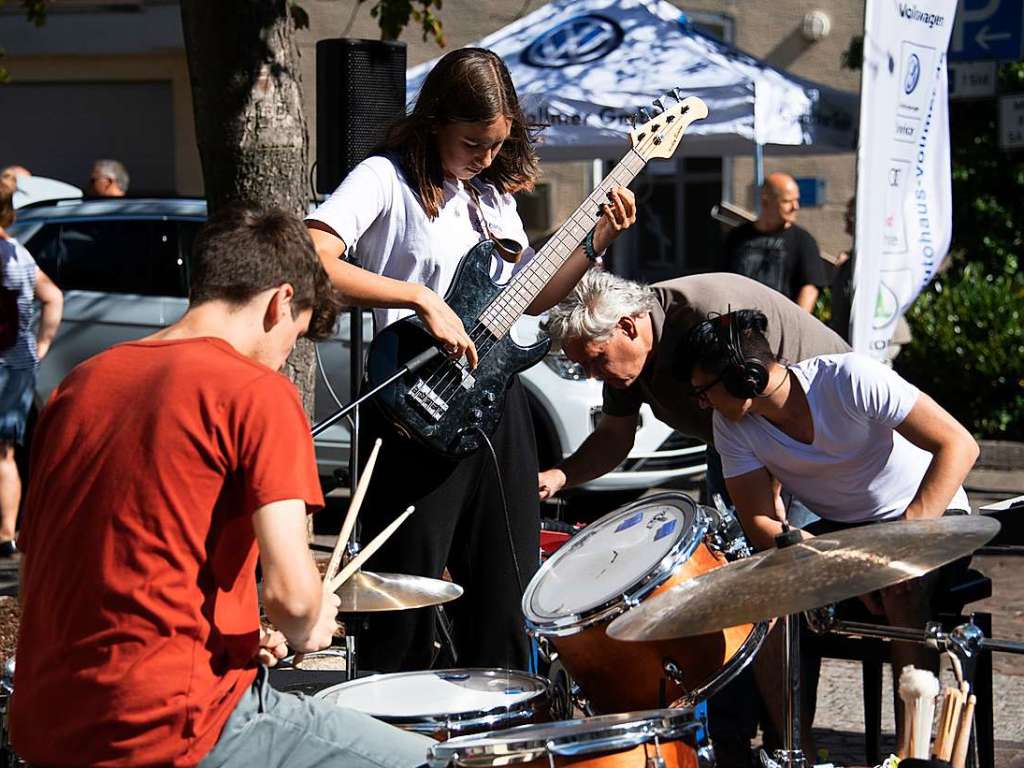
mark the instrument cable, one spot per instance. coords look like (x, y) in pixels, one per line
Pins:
(504, 506)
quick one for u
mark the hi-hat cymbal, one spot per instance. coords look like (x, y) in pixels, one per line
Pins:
(813, 573)
(368, 592)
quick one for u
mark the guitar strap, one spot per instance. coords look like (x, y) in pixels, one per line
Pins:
(479, 221)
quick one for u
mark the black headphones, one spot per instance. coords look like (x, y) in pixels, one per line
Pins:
(743, 377)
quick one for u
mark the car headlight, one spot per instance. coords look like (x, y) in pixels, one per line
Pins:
(565, 368)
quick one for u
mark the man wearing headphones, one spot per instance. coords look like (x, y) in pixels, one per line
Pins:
(845, 434)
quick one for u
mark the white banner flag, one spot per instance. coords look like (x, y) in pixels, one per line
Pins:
(904, 197)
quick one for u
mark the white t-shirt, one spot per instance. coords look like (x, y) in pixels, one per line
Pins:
(378, 214)
(858, 468)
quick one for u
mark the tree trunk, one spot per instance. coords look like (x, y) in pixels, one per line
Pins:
(251, 128)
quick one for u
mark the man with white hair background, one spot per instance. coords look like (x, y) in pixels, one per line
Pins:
(629, 336)
(108, 178)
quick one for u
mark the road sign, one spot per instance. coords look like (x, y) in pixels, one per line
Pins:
(1011, 121)
(987, 29)
(972, 79)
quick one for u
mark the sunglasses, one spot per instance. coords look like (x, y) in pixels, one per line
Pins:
(700, 394)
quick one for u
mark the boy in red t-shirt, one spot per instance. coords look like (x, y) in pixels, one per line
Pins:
(162, 469)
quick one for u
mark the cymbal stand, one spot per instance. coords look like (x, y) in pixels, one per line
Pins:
(791, 755)
(965, 642)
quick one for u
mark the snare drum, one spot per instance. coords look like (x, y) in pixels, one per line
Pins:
(626, 556)
(448, 702)
(662, 738)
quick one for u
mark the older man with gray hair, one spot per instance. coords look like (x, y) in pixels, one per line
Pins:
(629, 336)
(108, 178)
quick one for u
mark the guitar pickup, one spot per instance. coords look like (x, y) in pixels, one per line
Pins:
(427, 400)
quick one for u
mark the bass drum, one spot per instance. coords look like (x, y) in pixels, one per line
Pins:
(614, 563)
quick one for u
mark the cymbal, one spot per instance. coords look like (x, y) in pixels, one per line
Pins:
(369, 592)
(821, 570)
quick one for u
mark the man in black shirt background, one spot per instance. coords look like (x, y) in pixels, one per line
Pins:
(773, 250)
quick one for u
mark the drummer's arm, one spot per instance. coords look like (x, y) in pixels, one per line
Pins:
(293, 593)
(603, 450)
(754, 496)
(931, 428)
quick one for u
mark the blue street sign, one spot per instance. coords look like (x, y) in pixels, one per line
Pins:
(988, 29)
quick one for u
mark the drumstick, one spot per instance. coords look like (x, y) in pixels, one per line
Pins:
(363, 556)
(350, 519)
(947, 724)
(963, 736)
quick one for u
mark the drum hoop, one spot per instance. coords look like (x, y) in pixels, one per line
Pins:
(661, 572)
(643, 728)
(736, 664)
(460, 721)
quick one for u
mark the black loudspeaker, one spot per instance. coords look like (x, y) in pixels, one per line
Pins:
(360, 90)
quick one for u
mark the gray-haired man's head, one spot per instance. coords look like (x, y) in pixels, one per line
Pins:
(604, 325)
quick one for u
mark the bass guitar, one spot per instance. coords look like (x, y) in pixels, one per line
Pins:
(446, 405)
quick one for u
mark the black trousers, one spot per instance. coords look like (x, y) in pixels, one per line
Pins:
(460, 524)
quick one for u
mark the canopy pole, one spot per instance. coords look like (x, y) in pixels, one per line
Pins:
(758, 174)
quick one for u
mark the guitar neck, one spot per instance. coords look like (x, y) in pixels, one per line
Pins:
(509, 305)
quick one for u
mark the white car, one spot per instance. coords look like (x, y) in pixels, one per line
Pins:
(123, 266)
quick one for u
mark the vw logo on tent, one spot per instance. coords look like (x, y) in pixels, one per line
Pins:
(913, 74)
(576, 41)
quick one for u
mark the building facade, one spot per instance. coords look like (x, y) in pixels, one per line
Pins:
(110, 79)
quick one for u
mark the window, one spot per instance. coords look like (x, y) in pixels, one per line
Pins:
(140, 257)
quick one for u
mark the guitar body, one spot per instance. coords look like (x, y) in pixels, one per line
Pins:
(444, 403)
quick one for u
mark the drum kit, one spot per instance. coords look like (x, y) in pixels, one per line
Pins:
(650, 610)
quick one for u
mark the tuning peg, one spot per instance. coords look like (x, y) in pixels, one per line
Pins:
(677, 94)
(660, 105)
(632, 120)
(644, 114)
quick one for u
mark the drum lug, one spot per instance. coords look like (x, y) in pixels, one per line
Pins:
(673, 671)
(656, 760)
(706, 757)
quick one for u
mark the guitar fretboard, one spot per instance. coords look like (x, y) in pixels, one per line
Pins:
(502, 313)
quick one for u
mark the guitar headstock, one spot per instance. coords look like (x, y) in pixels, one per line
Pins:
(658, 136)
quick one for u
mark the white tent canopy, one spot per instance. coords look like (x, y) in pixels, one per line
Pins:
(584, 66)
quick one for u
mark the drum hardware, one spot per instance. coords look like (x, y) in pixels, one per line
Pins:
(726, 534)
(964, 642)
(799, 575)
(8, 757)
(706, 756)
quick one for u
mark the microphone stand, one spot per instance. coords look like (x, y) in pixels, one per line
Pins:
(413, 365)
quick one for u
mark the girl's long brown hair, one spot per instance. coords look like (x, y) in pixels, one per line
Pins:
(468, 85)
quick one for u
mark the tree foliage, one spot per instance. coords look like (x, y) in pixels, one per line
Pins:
(393, 16)
(35, 10)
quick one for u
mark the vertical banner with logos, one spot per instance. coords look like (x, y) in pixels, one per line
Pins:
(904, 197)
